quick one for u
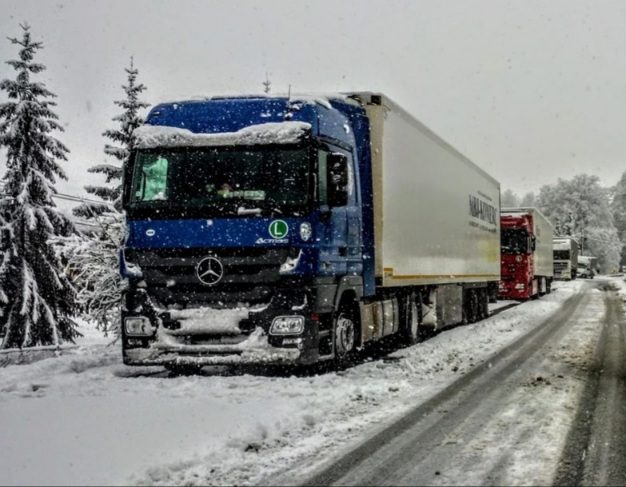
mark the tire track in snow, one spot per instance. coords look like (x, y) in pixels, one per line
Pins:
(595, 453)
(410, 450)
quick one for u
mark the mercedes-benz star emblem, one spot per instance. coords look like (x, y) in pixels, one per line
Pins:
(210, 271)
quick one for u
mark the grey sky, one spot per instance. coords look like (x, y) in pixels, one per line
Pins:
(529, 90)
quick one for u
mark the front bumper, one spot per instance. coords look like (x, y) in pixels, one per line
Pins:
(212, 355)
(512, 290)
(211, 336)
(170, 348)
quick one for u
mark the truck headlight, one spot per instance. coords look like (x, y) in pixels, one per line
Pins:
(306, 231)
(287, 325)
(138, 326)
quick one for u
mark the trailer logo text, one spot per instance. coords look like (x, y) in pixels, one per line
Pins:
(483, 211)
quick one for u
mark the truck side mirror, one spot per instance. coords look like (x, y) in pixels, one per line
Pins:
(337, 178)
(533, 243)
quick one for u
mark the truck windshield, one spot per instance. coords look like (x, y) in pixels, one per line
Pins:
(561, 255)
(221, 181)
(514, 241)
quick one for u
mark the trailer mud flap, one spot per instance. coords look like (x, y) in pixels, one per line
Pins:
(450, 304)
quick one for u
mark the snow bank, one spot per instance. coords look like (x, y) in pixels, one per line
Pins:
(150, 136)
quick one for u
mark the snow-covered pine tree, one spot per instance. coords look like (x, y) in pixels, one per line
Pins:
(528, 200)
(128, 121)
(37, 299)
(509, 199)
(94, 261)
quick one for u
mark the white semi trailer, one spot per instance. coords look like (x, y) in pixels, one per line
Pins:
(436, 219)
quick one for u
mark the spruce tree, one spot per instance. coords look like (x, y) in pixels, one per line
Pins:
(93, 263)
(37, 299)
(128, 121)
(94, 260)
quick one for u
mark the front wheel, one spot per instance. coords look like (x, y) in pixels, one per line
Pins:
(345, 337)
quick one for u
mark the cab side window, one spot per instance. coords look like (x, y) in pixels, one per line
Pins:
(322, 175)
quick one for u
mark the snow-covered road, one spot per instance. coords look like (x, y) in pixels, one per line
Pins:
(84, 418)
(506, 423)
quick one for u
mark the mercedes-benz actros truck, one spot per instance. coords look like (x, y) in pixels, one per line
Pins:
(296, 229)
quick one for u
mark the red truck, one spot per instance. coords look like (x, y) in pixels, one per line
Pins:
(526, 254)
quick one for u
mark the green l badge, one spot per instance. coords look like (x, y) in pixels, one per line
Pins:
(278, 229)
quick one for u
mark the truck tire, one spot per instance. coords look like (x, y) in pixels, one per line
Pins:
(484, 304)
(471, 306)
(344, 336)
(412, 332)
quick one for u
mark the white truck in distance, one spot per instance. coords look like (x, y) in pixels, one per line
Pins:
(587, 265)
(565, 258)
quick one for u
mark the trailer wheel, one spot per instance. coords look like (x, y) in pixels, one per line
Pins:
(413, 332)
(484, 303)
(471, 307)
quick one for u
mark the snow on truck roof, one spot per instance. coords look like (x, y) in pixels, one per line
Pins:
(561, 245)
(322, 99)
(523, 210)
(564, 240)
(152, 136)
(354, 98)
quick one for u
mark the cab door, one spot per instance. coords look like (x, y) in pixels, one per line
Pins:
(342, 243)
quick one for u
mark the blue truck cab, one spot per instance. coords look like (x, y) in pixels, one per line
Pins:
(249, 231)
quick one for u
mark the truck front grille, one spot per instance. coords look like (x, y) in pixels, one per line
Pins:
(171, 276)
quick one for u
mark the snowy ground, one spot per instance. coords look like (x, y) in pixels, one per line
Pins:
(83, 418)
